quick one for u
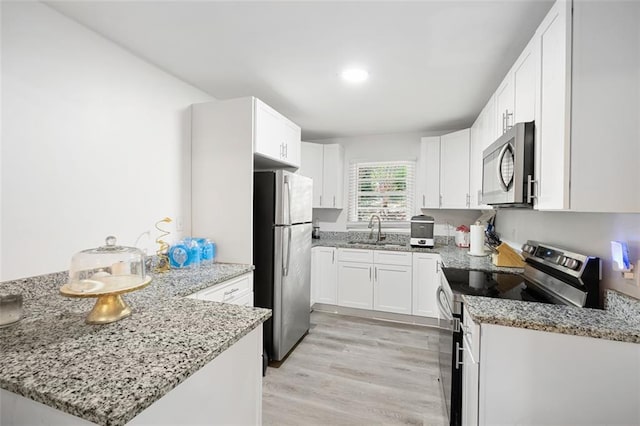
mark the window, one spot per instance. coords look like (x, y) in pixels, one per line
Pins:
(381, 188)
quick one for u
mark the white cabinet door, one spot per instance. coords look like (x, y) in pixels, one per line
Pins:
(311, 164)
(333, 173)
(355, 285)
(470, 377)
(392, 288)
(425, 282)
(504, 104)
(525, 74)
(324, 275)
(553, 126)
(269, 138)
(292, 140)
(476, 143)
(454, 170)
(430, 158)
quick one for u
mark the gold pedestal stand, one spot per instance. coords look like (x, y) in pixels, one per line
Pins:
(110, 306)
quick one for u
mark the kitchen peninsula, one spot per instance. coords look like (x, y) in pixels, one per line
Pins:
(174, 360)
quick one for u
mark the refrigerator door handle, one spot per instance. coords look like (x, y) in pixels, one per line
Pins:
(288, 192)
(286, 252)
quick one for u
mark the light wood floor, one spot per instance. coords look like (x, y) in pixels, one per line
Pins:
(356, 371)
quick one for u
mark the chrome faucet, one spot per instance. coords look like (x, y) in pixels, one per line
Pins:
(380, 236)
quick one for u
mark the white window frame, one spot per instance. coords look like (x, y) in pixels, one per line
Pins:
(353, 195)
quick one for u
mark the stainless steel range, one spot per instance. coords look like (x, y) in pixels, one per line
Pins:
(551, 275)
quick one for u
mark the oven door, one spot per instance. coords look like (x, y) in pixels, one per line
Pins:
(450, 340)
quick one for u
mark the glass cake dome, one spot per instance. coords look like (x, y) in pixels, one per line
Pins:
(107, 269)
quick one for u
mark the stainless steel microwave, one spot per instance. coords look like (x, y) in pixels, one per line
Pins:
(508, 168)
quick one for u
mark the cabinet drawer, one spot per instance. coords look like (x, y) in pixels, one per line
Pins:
(227, 290)
(392, 258)
(244, 300)
(355, 255)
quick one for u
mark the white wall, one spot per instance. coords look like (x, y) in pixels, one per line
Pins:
(588, 233)
(95, 141)
(390, 147)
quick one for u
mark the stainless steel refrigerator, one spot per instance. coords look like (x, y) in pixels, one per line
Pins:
(282, 256)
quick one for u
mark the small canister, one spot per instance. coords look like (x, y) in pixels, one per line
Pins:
(462, 236)
(10, 309)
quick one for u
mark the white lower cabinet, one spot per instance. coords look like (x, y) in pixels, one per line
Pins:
(392, 288)
(355, 285)
(378, 280)
(519, 376)
(425, 282)
(324, 275)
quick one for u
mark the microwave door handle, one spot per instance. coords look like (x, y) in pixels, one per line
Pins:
(501, 155)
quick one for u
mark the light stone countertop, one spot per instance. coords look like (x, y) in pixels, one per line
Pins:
(452, 256)
(107, 374)
(620, 320)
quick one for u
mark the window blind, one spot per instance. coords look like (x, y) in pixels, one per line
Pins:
(379, 188)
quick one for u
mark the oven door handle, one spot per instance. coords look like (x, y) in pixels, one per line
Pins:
(448, 314)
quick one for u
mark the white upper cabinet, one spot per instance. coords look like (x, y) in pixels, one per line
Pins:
(444, 175)
(429, 185)
(333, 176)
(605, 109)
(276, 138)
(311, 165)
(552, 129)
(478, 141)
(454, 170)
(324, 163)
(504, 104)
(525, 76)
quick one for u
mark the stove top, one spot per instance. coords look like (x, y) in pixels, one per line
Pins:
(494, 284)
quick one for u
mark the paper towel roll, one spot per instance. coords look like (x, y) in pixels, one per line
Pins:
(477, 240)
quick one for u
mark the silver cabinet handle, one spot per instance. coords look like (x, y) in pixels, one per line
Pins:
(369, 273)
(286, 150)
(424, 203)
(321, 200)
(440, 202)
(507, 115)
(504, 126)
(281, 150)
(438, 266)
(468, 200)
(334, 201)
(530, 194)
(458, 362)
(375, 273)
(333, 257)
(229, 293)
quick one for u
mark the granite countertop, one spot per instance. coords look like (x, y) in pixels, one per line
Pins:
(452, 256)
(620, 320)
(107, 374)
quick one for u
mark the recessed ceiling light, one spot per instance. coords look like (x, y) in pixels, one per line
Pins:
(355, 75)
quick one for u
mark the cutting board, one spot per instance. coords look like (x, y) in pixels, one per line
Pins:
(507, 256)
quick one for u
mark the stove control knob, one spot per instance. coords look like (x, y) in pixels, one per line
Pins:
(529, 249)
(562, 260)
(571, 263)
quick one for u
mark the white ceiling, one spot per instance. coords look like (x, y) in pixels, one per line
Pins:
(432, 64)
